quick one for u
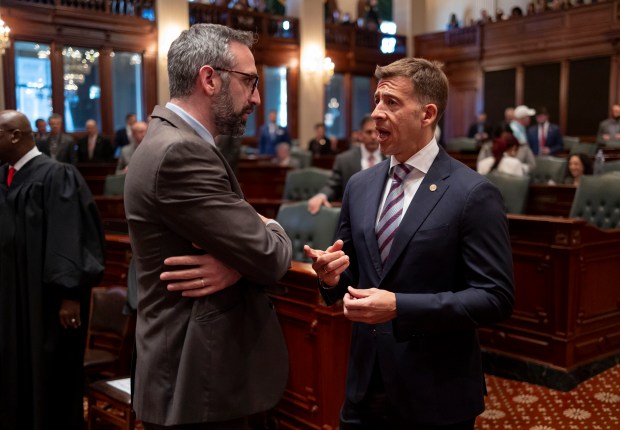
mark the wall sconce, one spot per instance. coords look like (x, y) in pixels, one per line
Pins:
(5, 41)
(316, 65)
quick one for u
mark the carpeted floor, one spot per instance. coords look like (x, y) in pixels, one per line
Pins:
(513, 405)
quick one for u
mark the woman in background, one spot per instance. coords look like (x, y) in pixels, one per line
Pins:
(578, 165)
(504, 157)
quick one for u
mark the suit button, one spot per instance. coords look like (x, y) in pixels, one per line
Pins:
(374, 332)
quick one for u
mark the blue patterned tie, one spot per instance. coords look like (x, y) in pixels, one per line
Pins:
(392, 211)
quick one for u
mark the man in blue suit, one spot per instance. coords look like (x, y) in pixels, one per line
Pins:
(271, 134)
(419, 274)
(544, 138)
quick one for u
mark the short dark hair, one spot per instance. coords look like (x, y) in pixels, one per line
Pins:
(366, 118)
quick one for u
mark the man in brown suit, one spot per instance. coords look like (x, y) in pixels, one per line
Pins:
(210, 351)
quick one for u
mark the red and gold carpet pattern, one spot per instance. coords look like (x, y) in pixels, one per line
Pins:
(513, 405)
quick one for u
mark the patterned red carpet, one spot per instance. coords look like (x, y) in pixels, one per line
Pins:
(513, 405)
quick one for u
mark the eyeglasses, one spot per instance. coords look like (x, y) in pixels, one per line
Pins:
(250, 76)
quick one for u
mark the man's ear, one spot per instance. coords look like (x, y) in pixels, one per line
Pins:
(206, 79)
(430, 114)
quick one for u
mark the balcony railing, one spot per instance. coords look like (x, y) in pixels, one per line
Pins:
(351, 38)
(137, 8)
(263, 24)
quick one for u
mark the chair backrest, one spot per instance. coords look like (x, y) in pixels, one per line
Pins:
(110, 330)
(570, 141)
(462, 144)
(584, 148)
(611, 166)
(304, 156)
(597, 200)
(548, 168)
(302, 228)
(302, 184)
(514, 190)
(114, 185)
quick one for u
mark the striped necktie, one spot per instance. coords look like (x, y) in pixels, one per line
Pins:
(392, 211)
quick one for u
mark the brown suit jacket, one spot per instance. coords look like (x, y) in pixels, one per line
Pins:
(218, 357)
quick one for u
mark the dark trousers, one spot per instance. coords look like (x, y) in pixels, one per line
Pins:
(238, 424)
(375, 411)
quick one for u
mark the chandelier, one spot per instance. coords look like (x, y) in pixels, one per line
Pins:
(77, 65)
(5, 42)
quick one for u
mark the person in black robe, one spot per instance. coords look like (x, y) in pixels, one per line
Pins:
(51, 254)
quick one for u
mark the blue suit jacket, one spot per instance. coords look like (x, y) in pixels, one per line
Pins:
(554, 140)
(451, 269)
(267, 144)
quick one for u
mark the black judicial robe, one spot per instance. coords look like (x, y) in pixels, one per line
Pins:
(51, 248)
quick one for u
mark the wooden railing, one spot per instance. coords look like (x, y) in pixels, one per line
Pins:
(350, 38)
(116, 7)
(263, 24)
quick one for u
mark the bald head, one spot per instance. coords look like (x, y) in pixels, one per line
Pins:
(15, 136)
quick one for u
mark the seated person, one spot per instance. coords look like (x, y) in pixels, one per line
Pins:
(321, 144)
(283, 156)
(138, 131)
(577, 166)
(504, 157)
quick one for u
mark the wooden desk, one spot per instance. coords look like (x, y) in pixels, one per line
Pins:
(468, 158)
(96, 169)
(317, 337)
(551, 200)
(323, 161)
(108, 404)
(265, 181)
(567, 309)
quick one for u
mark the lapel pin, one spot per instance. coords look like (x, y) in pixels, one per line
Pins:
(433, 187)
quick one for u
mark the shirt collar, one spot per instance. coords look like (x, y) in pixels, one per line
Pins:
(421, 160)
(192, 122)
(27, 157)
(366, 153)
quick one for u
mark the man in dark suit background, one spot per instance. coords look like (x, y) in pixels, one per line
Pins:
(609, 129)
(481, 130)
(543, 137)
(94, 148)
(347, 164)
(58, 145)
(270, 135)
(123, 135)
(209, 346)
(423, 259)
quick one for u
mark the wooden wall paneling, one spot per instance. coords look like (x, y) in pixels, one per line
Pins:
(588, 95)
(105, 81)
(149, 75)
(499, 93)
(463, 78)
(564, 84)
(292, 86)
(519, 85)
(8, 70)
(58, 87)
(542, 88)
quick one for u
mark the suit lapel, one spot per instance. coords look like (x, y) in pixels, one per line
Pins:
(431, 190)
(178, 122)
(372, 199)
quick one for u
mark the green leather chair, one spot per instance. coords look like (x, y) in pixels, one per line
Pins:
(303, 155)
(598, 200)
(114, 185)
(585, 148)
(462, 144)
(548, 169)
(317, 231)
(514, 190)
(611, 166)
(570, 141)
(302, 184)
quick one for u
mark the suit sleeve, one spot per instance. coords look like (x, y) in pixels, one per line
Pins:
(333, 187)
(487, 294)
(196, 200)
